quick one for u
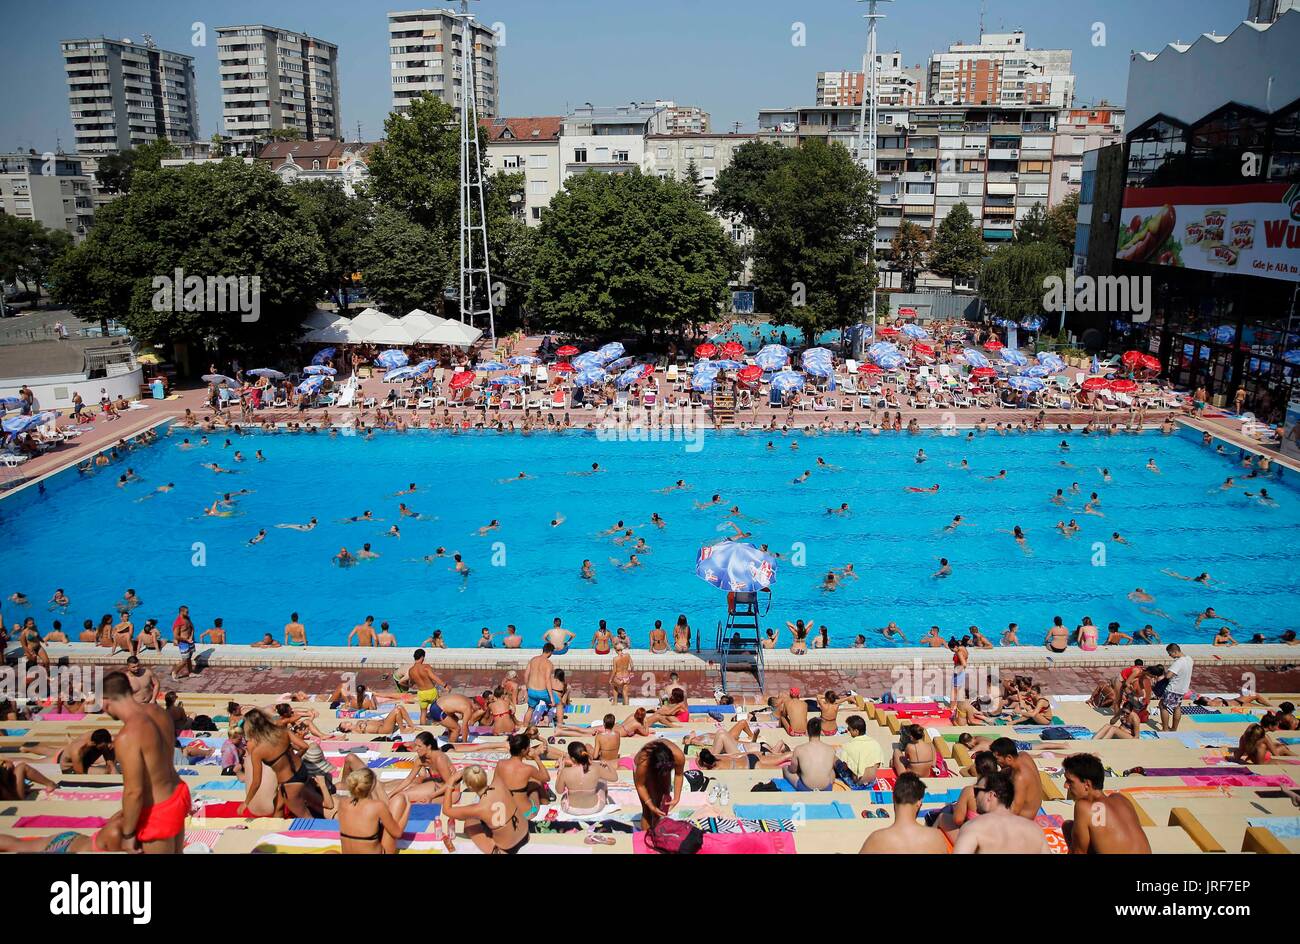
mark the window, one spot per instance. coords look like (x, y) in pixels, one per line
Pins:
(538, 162)
(1035, 167)
(580, 155)
(1215, 145)
(1284, 162)
(537, 188)
(661, 152)
(1157, 154)
(537, 213)
(709, 151)
(620, 157)
(602, 155)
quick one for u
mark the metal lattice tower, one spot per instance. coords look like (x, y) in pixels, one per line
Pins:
(867, 119)
(473, 214)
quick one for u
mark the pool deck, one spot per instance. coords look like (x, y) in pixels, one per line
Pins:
(870, 671)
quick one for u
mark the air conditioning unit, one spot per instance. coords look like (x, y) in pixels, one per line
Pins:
(929, 174)
(911, 151)
(1015, 176)
(893, 198)
(1015, 152)
(895, 176)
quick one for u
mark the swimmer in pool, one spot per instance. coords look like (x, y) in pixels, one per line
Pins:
(1262, 496)
(344, 558)
(616, 527)
(492, 525)
(799, 480)
(257, 538)
(216, 511)
(921, 456)
(1203, 577)
(366, 515)
(931, 490)
(831, 582)
(218, 469)
(299, 527)
(409, 490)
(405, 512)
(1152, 467)
(957, 522)
(515, 478)
(945, 569)
(1138, 595)
(848, 573)
(1059, 497)
(841, 511)
(366, 553)
(1120, 539)
(1002, 473)
(461, 569)
(657, 521)
(1209, 614)
(393, 532)
(595, 468)
(715, 500)
(588, 572)
(1020, 538)
(679, 485)
(558, 520)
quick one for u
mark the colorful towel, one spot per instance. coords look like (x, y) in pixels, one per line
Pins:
(731, 844)
(713, 824)
(1283, 827)
(79, 796)
(49, 821)
(1226, 718)
(1239, 781)
(795, 811)
(1225, 771)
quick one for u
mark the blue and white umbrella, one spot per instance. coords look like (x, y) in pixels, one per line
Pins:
(319, 370)
(267, 372)
(629, 377)
(1004, 322)
(1038, 370)
(974, 358)
(20, 424)
(1050, 360)
(881, 348)
(589, 377)
(703, 381)
(522, 359)
(391, 359)
(725, 364)
(219, 379)
(311, 384)
(819, 369)
(786, 381)
(425, 367)
(402, 373)
(771, 360)
(890, 361)
(610, 352)
(506, 380)
(323, 355)
(621, 364)
(775, 349)
(585, 361)
(915, 332)
(1032, 322)
(815, 354)
(736, 566)
(1027, 384)
(491, 366)
(1223, 333)
(1010, 356)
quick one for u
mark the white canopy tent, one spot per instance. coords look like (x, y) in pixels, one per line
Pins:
(373, 326)
(452, 333)
(337, 331)
(320, 318)
(397, 333)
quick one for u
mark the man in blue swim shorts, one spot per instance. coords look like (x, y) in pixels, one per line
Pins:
(537, 679)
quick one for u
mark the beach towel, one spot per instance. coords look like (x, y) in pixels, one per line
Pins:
(62, 716)
(202, 840)
(49, 821)
(1078, 732)
(1239, 781)
(731, 844)
(553, 813)
(1226, 771)
(77, 796)
(1283, 827)
(795, 811)
(723, 825)
(1227, 718)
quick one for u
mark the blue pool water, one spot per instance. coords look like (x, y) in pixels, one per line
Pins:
(94, 539)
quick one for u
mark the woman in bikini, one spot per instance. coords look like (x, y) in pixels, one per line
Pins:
(14, 776)
(1253, 747)
(956, 815)
(289, 789)
(581, 782)
(671, 712)
(369, 824)
(492, 824)
(396, 720)
(524, 781)
(501, 712)
(1037, 709)
(620, 674)
(913, 753)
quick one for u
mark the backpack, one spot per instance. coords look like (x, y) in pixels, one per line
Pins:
(697, 781)
(674, 837)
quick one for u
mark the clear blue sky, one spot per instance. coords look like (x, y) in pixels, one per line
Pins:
(731, 57)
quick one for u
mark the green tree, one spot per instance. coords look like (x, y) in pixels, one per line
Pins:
(621, 253)
(115, 173)
(1033, 228)
(814, 212)
(211, 221)
(404, 266)
(341, 222)
(909, 249)
(740, 190)
(416, 169)
(284, 134)
(695, 184)
(1062, 221)
(28, 250)
(958, 247)
(1011, 282)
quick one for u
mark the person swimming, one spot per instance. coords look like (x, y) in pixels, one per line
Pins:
(932, 489)
(299, 527)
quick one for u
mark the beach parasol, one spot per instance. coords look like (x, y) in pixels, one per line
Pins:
(733, 349)
(319, 370)
(567, 350)
(461, 380)
(268, 372)
(324, 354)
(736, 567)
(706, 350)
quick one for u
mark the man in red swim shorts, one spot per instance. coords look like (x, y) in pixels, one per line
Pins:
(155, 801)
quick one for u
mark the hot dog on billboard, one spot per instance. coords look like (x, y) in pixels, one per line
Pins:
(1148, 235)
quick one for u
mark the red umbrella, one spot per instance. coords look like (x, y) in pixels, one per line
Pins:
(907, 312)
(1122, 386)
(733, 349)
(563, 367)
(869, 369)
(923, 349)
(1131, 358)
(1150, 363)
(983, 372)
(567, 351)
(647, 370)
(750, 372)
(706, 350)
(1094, 383)
(993, 344)
(887, 332)
(462, 379)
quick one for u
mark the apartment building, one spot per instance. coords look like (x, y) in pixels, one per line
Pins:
(896, 84)
(680, 119)
(669, 157)
(52, 189)
(998, 161)
(275, 79)
(425, 55)
(1000, 70)
(1078, 131)
(528, 146)
(606, 140)
(123, 94)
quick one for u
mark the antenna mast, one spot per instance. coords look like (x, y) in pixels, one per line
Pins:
(473, 213)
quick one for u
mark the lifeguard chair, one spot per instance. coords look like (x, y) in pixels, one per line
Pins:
(740, 651)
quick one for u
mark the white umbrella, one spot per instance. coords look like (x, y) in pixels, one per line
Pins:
(336, 332)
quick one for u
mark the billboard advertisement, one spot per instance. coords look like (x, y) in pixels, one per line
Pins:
(1248, 229)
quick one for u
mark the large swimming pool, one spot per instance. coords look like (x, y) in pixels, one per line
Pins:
(94, 539)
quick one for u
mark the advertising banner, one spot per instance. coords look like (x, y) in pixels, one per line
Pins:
(1249, 229)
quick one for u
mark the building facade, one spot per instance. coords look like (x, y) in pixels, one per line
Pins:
(51, 189)
(1078, 131)
(606, 140)
(670, 156)
(276, 80)
(896, 84)
(123, 94)
(680, 119)
(1209, 210)
(1000, 70)
(528, 146)
(425, 55)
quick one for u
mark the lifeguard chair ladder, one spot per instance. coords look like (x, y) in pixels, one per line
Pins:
(740, 653)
